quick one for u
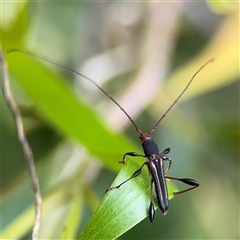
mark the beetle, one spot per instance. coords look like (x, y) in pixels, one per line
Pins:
(155, 160)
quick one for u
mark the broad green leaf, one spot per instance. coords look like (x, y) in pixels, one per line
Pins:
(123, 208)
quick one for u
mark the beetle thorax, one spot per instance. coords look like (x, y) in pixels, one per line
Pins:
(149, 146)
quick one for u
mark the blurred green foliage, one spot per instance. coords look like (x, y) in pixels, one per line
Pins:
(77, 143)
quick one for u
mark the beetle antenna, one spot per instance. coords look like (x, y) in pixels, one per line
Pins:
(81, 75)
(184, 90)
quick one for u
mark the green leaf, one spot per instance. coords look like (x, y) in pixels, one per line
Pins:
(123, 208)
(15, 23)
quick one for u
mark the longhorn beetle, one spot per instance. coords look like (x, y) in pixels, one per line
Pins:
(155, 160)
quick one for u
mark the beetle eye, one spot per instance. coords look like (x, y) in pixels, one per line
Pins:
(164, 157)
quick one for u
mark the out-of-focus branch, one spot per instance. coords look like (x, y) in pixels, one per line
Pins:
(25, 145)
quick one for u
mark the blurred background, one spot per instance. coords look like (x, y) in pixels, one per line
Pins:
(143, 53)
